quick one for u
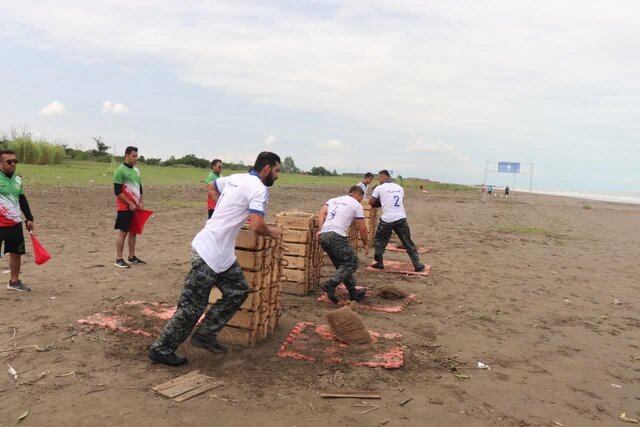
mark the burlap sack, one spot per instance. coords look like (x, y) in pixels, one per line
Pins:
(347, 326)
(391, 292)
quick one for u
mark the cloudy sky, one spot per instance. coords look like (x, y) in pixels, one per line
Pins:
(428, 89)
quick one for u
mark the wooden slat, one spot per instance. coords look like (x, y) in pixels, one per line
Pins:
(175, 381)
(186, 385)
(211, 384)
(354, 394)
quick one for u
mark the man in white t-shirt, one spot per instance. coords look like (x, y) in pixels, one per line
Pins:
(394, 218)
(364, 184)
(334, 220)
(239, 197)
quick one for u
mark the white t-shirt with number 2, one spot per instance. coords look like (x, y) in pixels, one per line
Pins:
(391, 198)
(240, 195)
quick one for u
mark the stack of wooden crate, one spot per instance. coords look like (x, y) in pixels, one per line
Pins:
(302, 255)
(370, 220)
(260, 258)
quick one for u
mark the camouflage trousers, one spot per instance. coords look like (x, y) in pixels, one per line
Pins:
(343, 258)
(194, 299)
(401, 228)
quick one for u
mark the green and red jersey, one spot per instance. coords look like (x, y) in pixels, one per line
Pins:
(129, 177)
(211, 204)
(10, 191)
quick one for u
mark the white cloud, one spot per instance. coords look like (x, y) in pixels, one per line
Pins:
(335, 145)
(270, 140)
(53, 108)
(114, 107)
(437, 146)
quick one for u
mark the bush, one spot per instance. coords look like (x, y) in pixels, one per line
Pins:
(38, 153)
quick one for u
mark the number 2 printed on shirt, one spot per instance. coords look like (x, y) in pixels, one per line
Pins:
(396, 202)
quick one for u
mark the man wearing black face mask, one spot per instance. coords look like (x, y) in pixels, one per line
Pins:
(213, 262)
(12, 201)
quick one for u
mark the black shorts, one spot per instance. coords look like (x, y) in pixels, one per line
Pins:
(123, 221)
(13, 239)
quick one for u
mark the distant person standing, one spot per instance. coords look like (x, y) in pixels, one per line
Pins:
(12, 201)
(506, 191)
(490, 189)
(127, 186)
(394, 218)
(364, 184)
(240, 197)
(216, 170)
(334, 220)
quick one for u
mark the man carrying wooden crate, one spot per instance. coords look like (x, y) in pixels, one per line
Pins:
(334, 220)
(213, 262)
(394, 218)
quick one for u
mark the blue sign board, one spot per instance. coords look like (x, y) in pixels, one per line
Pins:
(509, 167)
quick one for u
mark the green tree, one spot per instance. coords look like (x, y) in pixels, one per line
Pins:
(289, 166)
(320, 171)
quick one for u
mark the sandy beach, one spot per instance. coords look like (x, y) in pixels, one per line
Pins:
(542, 289)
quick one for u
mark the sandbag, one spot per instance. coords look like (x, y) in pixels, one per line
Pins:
(347, 326)
(391, 292)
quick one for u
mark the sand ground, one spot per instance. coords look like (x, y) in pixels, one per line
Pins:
(553, 313)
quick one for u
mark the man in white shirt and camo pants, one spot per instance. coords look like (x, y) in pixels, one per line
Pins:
(213, 262)
(334, 220)
(394, 218)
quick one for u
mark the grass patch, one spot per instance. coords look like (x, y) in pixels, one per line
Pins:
(524, 229)
(90, 173)
(586, 207)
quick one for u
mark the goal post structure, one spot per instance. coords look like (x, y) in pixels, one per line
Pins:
(513, 168)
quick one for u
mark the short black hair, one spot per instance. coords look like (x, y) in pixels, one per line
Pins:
(7, 152)
(266, 158)
(368, 175)
(215, 162)
(130, 149)
(384, 172)
(356, 189)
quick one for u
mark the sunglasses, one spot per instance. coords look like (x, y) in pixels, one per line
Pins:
(11, 161)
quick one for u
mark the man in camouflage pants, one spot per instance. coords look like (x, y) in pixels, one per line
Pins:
(334, 219)
(394, 218)
(213, 262)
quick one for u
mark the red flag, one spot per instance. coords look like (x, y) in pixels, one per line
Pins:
(140, 218)
(39, 252)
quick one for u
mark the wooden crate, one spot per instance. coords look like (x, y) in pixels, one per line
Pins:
(297, 249)
(291, 275)
(253, 261)
(257, 279)
(296, 220)
(237, 336)
(295, 288)
(296, 236)
(248, 319)
(248, 239)
(295, 262)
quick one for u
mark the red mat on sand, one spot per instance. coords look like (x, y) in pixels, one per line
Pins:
(313, 342)
(134, 317)
(400, 268)
(394, 247)
(371, 301)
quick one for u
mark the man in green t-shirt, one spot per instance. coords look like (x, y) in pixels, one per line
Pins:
(12, 201)
(128, 188)
(216, 170)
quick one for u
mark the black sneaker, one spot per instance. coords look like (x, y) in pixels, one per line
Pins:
(120, 263)
(379, 265)
(18, 286)
(420, 268)
(135, 260)
(358, 295)
(330, 291)
(167, 359)
(208, 343)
